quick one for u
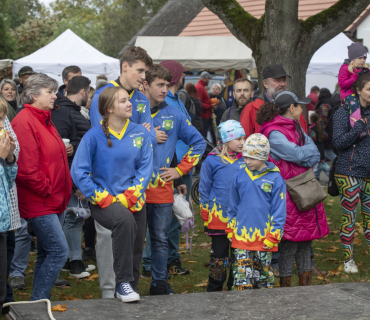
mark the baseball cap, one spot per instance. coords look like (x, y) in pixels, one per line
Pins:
(274, 71)
(286, 98)
(205, 74)
(25, 70)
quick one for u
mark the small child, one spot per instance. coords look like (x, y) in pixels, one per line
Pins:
(217, 174)
(257, 214)
(351, 68)
(318, 135)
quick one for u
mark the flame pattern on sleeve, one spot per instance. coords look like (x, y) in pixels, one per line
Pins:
(102, 198)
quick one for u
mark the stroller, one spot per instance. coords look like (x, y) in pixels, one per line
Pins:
(195, 186)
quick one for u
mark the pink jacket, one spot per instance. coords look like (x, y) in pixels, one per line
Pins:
(299, 226)
(346, 80)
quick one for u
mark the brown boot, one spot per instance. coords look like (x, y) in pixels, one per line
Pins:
(305, 279)
(285, 281)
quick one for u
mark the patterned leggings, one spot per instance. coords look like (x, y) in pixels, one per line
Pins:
(252, 269)
(321, 166)
(351, 189)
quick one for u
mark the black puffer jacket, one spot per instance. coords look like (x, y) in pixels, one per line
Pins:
(352, 143)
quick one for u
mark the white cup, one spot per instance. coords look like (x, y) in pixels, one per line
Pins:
(66, 142)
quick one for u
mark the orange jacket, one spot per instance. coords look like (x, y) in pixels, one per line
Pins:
(248, 118)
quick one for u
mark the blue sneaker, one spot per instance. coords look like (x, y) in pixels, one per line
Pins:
(125, 293)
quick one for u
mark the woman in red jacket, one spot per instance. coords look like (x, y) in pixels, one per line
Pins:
(43, 181)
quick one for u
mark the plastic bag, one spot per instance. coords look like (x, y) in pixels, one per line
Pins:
(181, 209)
(81, 212)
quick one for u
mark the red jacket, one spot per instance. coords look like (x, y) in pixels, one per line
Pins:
(248, 118)
(204, 98)
(43, 181)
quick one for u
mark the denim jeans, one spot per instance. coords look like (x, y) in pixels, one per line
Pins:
(2, 268)
(329, 154)
(73, 231)
(159, 219)
(21, 252)
(52, 253)
(10, 245)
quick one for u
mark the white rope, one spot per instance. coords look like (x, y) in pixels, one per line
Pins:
(42, 300)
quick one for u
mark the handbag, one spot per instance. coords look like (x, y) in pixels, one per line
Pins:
(81, 212)
(305, 191)
(332, 186)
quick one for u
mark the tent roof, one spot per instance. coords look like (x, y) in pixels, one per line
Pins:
(200, 53)
(68, 49)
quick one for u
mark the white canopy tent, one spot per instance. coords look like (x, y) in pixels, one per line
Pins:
(66, 50)
(325, 64)
(199, 53)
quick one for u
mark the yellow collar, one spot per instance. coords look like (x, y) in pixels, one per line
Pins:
(117, 85)
(229, 160)
(250, 174)
(154, 114)
(115, 134)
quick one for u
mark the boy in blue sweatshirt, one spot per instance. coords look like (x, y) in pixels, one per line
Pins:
(159, 195)
(257, 213)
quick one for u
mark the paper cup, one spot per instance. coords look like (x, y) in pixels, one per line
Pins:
(66, 142)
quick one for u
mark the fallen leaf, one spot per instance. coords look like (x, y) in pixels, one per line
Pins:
(73, 298)
(92, 277)
(30, 271)
(340, 268)
(360, 264)
(344, 276)
(192, 261)
(195, 235)
(332, 259)
(200, 231)
(64, 287)
(201, 285)
(329, 222)
(183, 237)
(182, 245)
(187, 286)
(205, 244)
(205, 281)
(89, 296)
(21, 293)
(334, 232)
(318, 255)
(357, 241)
(206, 264)
(337, 241)
(363, 280)
(333, 273)
(184, 292)
(365, 252)
(330, 250)
(183, 251)
(318, 249)
(185, 260)
(59, 308)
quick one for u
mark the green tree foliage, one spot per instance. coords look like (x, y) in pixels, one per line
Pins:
(20, 11)
(7, 42)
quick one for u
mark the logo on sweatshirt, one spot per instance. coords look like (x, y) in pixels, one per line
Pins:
(242, 165)
(137, 139)
(141, 107)
(266, 187)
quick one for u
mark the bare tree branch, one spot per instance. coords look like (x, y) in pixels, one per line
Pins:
(240, 23)
(323, 26)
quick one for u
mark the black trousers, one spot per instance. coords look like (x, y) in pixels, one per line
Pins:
(128, 234)
(89, 233)
(207, 124)
(3, 263)
(220, 261)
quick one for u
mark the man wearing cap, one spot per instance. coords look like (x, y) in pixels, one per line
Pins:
(206, 103)
(24, 73)
(274, 81)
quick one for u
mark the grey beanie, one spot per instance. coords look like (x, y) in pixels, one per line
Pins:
(356, 50)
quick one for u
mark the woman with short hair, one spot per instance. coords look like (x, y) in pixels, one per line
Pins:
(44, 183)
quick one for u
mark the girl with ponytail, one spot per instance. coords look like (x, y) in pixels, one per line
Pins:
(112, 167)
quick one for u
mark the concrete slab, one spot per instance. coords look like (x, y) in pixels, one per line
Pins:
(334, 301)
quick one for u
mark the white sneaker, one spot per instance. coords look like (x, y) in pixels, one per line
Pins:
(90, 267)
(350, 267)
(125, 293)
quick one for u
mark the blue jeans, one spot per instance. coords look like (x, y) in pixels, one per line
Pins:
(159, 218)
(73, 231)
(52, 253)
(21, 252)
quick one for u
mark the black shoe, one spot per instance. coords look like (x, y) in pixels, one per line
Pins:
(146, 273)
(17, 283)
(67, 266)
(89, 254)
(5, 310)
(78, 269)
(33, 246)
(162, 288)
(60, 282)
(175, 265)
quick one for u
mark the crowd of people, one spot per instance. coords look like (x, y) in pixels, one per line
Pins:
(104, 163)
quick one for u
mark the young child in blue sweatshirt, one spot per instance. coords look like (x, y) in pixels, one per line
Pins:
(112, 168)
(216, 177)
(257, 213)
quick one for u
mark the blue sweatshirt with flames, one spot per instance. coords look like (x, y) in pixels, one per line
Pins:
(177, 127)
(216, 178)
(257, 209)
(140, 109)
(105, 174)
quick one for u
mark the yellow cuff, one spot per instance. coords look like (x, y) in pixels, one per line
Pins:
(123, 200)
(206, 224)
(179, 171)
(229, 235)
(114, 200)
(268, 243)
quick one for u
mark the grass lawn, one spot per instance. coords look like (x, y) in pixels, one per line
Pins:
(328, 256)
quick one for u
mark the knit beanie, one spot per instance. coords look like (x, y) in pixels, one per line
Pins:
(257, 147)
(230, 130)
(356, 50)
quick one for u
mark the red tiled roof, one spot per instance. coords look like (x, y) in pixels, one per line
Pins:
(207, 23)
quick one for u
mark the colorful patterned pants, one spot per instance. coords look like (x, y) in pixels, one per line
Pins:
(321, 166)
(252, 269)
(351, 190)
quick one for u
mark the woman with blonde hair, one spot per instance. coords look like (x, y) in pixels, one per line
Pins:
(9, 92)
(119, 156)
(352, 68)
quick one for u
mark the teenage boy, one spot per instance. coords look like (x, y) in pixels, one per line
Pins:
(135, 62)
(159, 195)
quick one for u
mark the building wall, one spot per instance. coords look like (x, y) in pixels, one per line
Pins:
(363, 32)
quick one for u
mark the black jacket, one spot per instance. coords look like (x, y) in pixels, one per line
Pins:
(352, 143)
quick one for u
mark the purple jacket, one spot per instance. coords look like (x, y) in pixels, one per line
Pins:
(299, 226)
